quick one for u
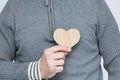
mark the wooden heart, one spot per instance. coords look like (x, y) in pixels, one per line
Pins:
(67, 38)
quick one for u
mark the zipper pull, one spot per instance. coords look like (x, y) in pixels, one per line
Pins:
(47, 3)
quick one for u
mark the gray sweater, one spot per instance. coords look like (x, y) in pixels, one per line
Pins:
(25, 32)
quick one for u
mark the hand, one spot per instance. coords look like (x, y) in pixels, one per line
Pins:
(53, 60)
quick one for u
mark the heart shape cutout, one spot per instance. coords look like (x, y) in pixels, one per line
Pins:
(67, 38)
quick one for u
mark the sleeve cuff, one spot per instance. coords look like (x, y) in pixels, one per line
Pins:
(34, 71)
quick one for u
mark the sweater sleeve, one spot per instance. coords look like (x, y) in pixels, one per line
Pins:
(10, 70)
(109, 40)
(34, 71)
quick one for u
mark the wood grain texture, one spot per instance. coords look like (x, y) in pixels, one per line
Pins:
(67, 38)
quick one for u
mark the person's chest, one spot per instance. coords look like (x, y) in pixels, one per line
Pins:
(33, 31)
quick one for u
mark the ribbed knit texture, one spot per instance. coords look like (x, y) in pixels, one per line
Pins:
(25, 33)
(33, 71)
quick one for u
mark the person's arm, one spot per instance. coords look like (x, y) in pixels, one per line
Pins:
(109, 40)
(8, 69)
(50, 64)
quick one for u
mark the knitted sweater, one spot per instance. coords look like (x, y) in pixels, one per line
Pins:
(25, 33)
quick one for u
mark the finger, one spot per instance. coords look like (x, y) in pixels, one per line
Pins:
(59, 48)
(59, 55)
(59, 69)
(60, 62)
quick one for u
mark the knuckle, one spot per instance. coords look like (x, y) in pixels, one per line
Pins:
(62, 62)
(62, 54)
(61, 69)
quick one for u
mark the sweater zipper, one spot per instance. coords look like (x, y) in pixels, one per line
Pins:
(51, 20)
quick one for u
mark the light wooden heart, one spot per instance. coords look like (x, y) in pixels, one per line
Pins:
(67, 38)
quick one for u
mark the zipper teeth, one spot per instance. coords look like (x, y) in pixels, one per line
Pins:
(51, 17)
(47, 3)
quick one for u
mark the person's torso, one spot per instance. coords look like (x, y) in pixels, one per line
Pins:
(33, 35)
